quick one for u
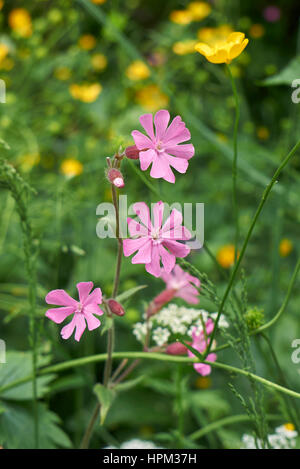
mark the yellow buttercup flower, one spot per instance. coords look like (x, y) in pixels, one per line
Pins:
(1, 4)
(99, 61)
(285, 247)
(87, 42)
(225, 256)
(152, 98)
(256, 31)
(62, 73)
(212, 36)
(71, 167)
(223, 51)
(181, 17)
(87, 93)
(137, 70)
(199, 10)
(184, 47)
(98, 2)
(290, 427)
(20, 21)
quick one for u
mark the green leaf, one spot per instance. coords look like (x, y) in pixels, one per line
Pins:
(105, 397)
(285, 76)
(17, 428)
(128, 293)
(19, 365)
(211, 401)
(131, 383)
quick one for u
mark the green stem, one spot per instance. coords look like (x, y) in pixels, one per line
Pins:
(234, 163)
(226, 421)
(245, 244)
(71, 364)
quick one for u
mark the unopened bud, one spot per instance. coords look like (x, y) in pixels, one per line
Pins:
(176, 348)
(159, 301)
(115, 307)
(132, 152)
(116, 178)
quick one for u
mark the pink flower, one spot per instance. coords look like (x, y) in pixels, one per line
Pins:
(181, 282)
(162, 148)
(200, 343)
(83, 310)
(156, 243)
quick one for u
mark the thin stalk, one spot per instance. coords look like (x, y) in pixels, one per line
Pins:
(234, 163)
(245, 244)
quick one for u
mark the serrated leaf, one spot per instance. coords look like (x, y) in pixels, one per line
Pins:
(105, 397)
(17, 428)
(129, 384)
(128, 293)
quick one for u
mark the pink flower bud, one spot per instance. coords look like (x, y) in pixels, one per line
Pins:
(115, 307)
(132, 152)
(176, 348)
(159, 301)
(116, 178)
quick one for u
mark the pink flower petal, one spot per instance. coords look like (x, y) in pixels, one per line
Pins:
(146, 158)
(92, 322)
(144, 254)
(94, 297)
(146, 121)
(142, 211)
(135, 228)
(132, 245)
(189, 294)
(161, 169)
(179, 164)
(180, 232)
(141, 140)
(84, 289)
(174, 128)
(58, 315)
(154, 266)
(161, 120)
(80, 326)
(185, 151)
(67, 331)
(93, 308)
(178, 249)
(168, 259)
(60, 297)
(174, 220)
(182, 136)
(158, 211)
(202, 369)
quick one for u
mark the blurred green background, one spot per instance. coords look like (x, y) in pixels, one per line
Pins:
(78, 75)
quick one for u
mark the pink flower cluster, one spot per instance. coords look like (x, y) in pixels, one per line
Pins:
(200, 342)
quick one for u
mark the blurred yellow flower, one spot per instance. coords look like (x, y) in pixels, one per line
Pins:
(3, 51)
(7, 64)
(87, 93)
(263, 133)
(199, 10)
(62, 73)
(184, 47)
(98, 2)
(225, 256)
(256, 31)
(1, 4)
(212, 36)
(290, 427)
(285, 247)
(203, 382)
(222, 137)
(137, 70)
(29, 160)
(152, 98)
(87, 42)
(224, 51)
(181, 16)
(20, 21)
(71, 167)
(99, 61)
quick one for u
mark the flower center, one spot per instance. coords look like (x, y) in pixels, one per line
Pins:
(159, 147)
(155, 235)
(79, 309)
